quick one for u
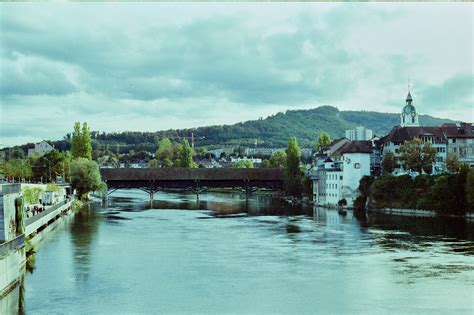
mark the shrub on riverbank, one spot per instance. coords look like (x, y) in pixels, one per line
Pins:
(446, 194)
(85, 177)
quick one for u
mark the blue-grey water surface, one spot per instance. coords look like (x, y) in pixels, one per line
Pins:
(223, 256)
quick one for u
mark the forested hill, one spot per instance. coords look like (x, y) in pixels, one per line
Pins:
(273, 131)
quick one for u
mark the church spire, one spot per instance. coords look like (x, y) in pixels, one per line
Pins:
(409, 117)
(409, 98)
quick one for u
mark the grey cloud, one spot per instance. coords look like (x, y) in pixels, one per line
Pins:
(26, 76)
(86, 64)
(456, 92)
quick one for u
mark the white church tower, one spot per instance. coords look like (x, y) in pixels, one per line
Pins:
(409, 117)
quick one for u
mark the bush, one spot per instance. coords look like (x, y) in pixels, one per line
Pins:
(85, 177)
(446, 194)
(31, 194)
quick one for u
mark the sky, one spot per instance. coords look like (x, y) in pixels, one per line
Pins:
(155, 66)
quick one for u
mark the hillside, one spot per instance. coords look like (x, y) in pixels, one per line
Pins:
(273, 131)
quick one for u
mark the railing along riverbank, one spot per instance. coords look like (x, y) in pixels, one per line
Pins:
(42, 219)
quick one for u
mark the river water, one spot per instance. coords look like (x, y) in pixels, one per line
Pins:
(223, 255)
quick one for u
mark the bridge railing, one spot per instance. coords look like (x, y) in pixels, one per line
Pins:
(187, 174)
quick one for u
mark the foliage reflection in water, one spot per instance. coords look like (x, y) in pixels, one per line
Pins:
(223, 254)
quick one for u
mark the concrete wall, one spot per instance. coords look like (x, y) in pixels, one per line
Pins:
(12, 259)
(10, 304)
(356, 166)
(9, 193)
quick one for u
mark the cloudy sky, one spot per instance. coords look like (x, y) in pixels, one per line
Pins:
(153, 66)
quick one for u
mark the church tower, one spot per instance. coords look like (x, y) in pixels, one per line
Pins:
(409, 117)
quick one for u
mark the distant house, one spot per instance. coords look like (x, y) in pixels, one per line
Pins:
(107, 161)
(460, 138)
(255, 161)
(40, 149)
(359, 133)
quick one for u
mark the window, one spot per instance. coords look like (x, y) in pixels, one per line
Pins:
(454, 140)
(357, 165)
(340, 177)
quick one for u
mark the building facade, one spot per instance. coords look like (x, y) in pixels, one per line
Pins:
(359, 133)
(460, 141)
(40, 149)
(432, 135)
(338, 176)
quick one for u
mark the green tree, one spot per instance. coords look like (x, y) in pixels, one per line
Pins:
(293, 172)
(165, 150)
(81, 143)
(85, 177)
(243, 164)
(265, 164)
(17, 169)
(388, 163)
(50, 165)
(452, 163)
(86, 142)
(76, 141)
(417, 156)
(323, 140)
(153, 163)
(185, 155)
(278, 159)
(16, 154)
(470, 189)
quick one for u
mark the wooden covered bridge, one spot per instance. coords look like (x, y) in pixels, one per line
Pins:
(197, 180)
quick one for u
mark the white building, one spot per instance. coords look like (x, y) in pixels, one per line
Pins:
(40, 149)
(254, 161)
(460, 138)
(359, 133)
(338, 176)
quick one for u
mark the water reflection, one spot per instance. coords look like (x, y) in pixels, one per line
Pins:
(223, 254)
(83, 230)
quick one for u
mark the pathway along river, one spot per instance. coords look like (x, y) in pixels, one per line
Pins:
(217, 257)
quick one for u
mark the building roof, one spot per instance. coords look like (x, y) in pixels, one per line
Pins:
(401, 134)
(461, 130)
(359, 146)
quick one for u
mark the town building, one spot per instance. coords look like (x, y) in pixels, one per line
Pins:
(433, 135)
(255, 161)
(359, 133)
(40, 149)
(261, 152)
(410, 129)
(460, 138)
(107, 161)
(338, 176)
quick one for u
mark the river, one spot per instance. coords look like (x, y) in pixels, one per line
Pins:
(223, 255)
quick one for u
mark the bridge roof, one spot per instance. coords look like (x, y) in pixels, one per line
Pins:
(186, 174)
